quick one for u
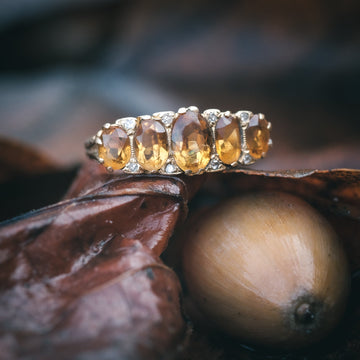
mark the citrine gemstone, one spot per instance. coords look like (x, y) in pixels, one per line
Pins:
(191, 142)
(227, 135)
(151, 147)
(115, 149)
(257, 137)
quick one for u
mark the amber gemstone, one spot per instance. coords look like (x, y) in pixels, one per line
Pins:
(191, 141)
(227, 135)
(257, 137)
(115, 150)
(151, 147)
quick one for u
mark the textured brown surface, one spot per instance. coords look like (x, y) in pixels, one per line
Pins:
(73, 281)
(123, 303)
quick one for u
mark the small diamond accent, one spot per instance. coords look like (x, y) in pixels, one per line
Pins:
(247, 159)
(133, 167)
(244, 116)
(128, 123)
(212, 118)
(170, 168)
(214, 164)
(167, 119)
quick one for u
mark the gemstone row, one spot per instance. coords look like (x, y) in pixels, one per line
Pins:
(187, 141)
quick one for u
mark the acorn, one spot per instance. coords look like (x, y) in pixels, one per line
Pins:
(268, 269)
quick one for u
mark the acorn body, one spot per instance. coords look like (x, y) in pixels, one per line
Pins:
(267, 268)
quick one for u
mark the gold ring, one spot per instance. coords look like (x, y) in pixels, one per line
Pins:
(186, 142)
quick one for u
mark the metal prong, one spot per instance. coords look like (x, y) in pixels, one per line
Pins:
(269, 126)
(109, 169)
(193, 108)
(261, 116)
(159, 114)
(211, 111)
(101, 161)
(106, 126)
(144, 117)
(244, 117)
(182, 111)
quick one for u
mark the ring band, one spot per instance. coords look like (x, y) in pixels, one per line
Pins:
(186, 142)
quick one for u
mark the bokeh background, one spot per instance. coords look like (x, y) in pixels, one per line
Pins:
(68, 66)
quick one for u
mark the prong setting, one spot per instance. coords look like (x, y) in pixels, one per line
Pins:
(166, 117)
(193, 108)
(246, 158)
(128, 124)
(244, 117)
(144, 117)
(212, 116)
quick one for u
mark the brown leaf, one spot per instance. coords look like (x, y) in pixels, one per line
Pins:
(123, 304)
(74, 283)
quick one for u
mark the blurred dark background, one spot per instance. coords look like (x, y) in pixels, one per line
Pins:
(67, 67)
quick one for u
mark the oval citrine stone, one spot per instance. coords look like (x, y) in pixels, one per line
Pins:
(257, 137)
(151, 147)
(227, 135)
(190, 141)
(115, 149)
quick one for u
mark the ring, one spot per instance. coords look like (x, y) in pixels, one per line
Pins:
(186, 142)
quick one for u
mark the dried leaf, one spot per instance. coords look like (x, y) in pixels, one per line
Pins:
(124, 303)
(81, 277)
